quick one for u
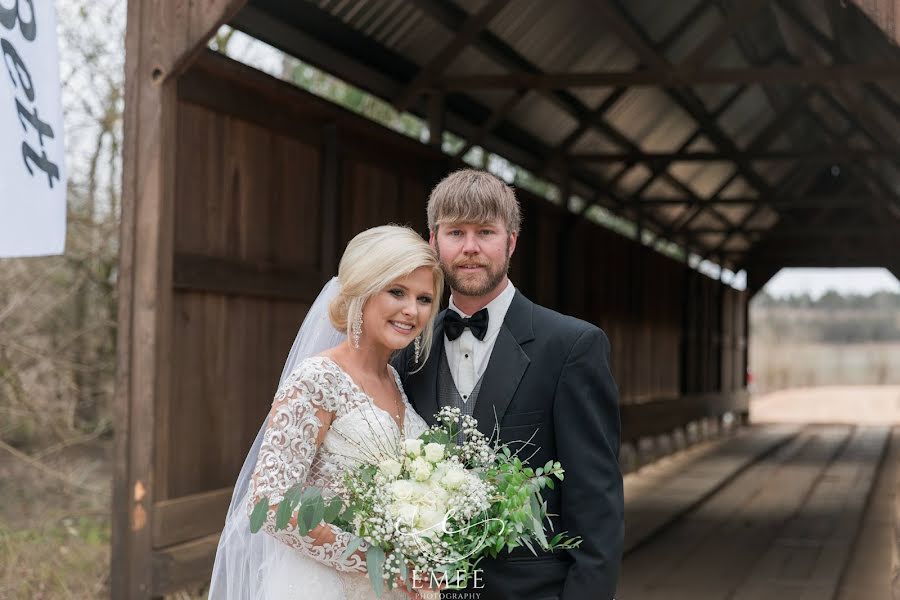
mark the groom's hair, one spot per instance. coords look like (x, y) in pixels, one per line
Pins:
(472, 196)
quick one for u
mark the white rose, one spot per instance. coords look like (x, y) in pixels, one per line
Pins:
(405, 513)
(430, 521)
(402, 490)
(440, 470)
(434, 452)
(420, 469)
(454, 478)
(413, 447)
(390, 468)
(437, 495)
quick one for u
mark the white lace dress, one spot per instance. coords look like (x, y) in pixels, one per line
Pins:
(313, 567)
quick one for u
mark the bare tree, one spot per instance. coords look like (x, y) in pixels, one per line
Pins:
(58, 314)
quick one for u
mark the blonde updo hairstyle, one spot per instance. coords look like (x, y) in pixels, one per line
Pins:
(372, 261)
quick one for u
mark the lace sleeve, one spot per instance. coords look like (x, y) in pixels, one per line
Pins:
(301, 413)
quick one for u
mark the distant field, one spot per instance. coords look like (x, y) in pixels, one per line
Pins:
(782, 364)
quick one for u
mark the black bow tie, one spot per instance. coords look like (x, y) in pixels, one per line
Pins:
(455, 324)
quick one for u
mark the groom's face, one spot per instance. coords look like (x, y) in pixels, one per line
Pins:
(474, 256)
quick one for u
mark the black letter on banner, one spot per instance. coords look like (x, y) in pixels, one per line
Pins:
(9, 16)
(43, 129)
(10, 53)
(40, 162)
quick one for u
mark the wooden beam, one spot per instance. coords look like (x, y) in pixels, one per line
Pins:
(658, 168)
(177, 566)
(436, 117)
(668, 39)
(677, 77)
(451, 16)
(764, 138)
(331, 194)
(813, 201)
(877, 136)
(496, 117)
(664, 415)
(470, 29)
(836, 153)
(825, 260)
(805, 178)
(185, 519)
(231, 277)
(837, 54)
(739, 16)
(641, 43)
(758, 275)
(679, 227)
(792, 232)
(585, 124)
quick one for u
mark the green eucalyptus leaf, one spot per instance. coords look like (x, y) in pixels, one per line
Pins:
(375, 566)
(310, 494)
(404, 574)
(348, 514)
(311, 512)
(352, 547)
(258, 516)
(332, 510)
(527, 543)
(537, 527)
(441, 437)
(283, 514)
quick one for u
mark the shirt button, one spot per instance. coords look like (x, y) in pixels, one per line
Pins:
(465, 396)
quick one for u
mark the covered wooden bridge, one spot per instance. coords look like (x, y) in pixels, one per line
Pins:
(712, 136)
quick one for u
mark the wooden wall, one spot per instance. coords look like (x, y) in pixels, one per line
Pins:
(269, 183)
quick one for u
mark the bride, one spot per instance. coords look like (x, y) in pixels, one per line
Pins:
(338, 397)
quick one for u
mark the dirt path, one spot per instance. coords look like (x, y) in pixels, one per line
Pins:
(859, 405)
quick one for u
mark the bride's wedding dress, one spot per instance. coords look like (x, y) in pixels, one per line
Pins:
(315, 568)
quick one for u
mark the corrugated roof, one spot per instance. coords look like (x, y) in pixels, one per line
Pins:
(398, 39)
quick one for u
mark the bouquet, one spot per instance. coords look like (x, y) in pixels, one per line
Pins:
(432, 506)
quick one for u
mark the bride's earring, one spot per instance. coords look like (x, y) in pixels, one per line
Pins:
(356, 328)
(418, 347)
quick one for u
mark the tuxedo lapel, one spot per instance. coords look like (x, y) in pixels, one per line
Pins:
(506, 366)
(422, 386)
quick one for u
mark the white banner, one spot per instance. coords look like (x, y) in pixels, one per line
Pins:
(32, 169)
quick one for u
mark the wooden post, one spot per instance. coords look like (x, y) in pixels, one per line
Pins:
(435, 119)
(330, 200)
(161, 39)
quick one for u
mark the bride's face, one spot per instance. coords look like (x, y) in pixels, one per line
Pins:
(393, 317)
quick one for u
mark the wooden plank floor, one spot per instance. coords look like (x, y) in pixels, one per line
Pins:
(864, 578)
(777, 517)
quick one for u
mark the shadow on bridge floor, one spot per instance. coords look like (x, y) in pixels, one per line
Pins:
(774, 511)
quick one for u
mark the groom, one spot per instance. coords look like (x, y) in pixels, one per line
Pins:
(504, 359)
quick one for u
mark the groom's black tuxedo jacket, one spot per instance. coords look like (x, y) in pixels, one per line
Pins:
(548, 373)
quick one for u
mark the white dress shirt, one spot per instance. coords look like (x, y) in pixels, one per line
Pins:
(468, 356)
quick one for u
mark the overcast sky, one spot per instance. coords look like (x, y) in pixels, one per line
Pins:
(816, 282)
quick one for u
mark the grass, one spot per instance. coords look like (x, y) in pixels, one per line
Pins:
(55, 537)
(64, 556)
(780, 364)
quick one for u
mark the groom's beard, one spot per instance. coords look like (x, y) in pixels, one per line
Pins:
(478, 283)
